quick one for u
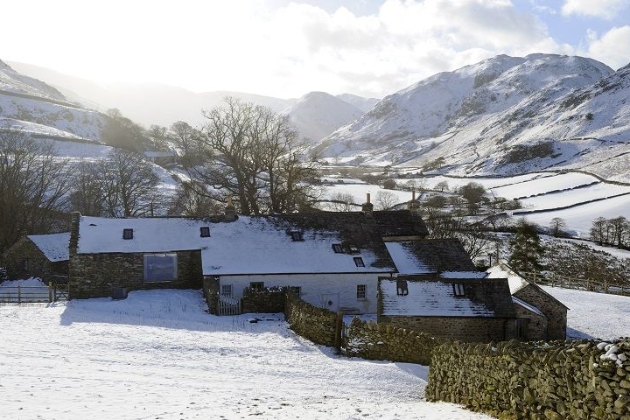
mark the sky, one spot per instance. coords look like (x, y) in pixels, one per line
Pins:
(286, 49)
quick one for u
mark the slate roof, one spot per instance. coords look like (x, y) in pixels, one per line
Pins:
(252, 245)
(437, 298)
(431, 256)
(54, 246)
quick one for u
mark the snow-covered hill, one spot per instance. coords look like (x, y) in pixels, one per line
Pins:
(364, 104)
(504, 115)
(40, 109)
(317, 114)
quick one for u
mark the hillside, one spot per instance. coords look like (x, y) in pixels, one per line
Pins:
(502, 116)
(40, 109)
(317, 114)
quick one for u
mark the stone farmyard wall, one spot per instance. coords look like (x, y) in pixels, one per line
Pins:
(315, 324)
(513, 380)
(373, 341)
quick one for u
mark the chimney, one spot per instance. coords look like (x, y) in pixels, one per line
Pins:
(413, 205)
(75, 219)
(367, 207)
(230, 211)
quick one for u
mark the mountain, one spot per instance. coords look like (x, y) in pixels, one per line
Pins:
(317, 114)
(42, 110)
(364, 104)
(505, 115)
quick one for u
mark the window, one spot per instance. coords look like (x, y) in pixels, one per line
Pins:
(296, 235)
(127, 233)
(358, 261)
(160, 268)
(297, 290)
(204, 232)
(350, 249)
(337, 248)
(458, 288)
(226, 290)
(257, 285)
(361, 291)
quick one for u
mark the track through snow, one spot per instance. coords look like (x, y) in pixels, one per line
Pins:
(158, 355)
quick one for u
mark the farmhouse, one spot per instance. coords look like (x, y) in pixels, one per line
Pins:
(43, 256)
(332, 260)
(439, 292)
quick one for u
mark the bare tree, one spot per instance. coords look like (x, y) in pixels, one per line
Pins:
(557, 226)
(187, 202)
(250, 152)
(340, 201)
(129, 185)
(88, 196)
(33, 186)
(385, 200)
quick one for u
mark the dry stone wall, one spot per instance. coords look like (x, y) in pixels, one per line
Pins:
(373, 341)
(315, 324)
(551, 381)
(267, 300)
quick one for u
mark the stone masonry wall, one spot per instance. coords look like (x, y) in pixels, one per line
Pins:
(477, 329)
(373, 341)
(95, 275)
(315, 324)
(555, 312)
(550, 381)
(37, 266)
(267, 300)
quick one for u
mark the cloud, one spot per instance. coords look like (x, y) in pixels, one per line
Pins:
(605, 9)
(611, 48)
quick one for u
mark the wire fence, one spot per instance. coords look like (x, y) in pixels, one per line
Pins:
(600, 286)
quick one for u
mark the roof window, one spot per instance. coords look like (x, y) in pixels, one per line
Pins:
(127, 233)
(296, 236)
(337, 248)
(358, 261)
(204, 232)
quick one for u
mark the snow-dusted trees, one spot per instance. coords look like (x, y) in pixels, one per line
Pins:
(251, 153)
(33, 186)
(613, 232)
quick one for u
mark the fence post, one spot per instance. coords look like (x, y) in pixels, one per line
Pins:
(50, 292)
(338, 331)
(19, 294)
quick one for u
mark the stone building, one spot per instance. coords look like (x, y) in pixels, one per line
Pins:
(332, 260)
(43, 256)
(540, 315)
(439, 292)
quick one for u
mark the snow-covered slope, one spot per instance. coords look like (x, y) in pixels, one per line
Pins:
(317, 114)
(364, 104)
(41, 109)
(504, 115)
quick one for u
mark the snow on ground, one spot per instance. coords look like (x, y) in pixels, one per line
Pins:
(594, 315)
(158, 355)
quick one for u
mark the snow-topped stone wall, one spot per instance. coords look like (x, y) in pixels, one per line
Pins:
(555, 381)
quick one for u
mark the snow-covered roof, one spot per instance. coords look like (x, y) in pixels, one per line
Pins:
(431, 256)
(405, 260)
(249, 245)
(429, 298)
(501, 271)
(54, 246)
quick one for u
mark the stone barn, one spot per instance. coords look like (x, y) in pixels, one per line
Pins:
(43, 256)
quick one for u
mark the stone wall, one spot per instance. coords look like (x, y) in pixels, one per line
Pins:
(25, 260)
(536, 328)
(95, 275)
(555, 312)
(551, 381)
(468, 329)
(316, 324)
(267, 300)
(211, 293)
(373, 341)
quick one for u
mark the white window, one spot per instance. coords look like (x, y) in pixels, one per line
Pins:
(226, 290)
(361, 291)
(160, 268)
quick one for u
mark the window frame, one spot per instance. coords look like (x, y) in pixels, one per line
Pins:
(338, 248)
(204, 231)
(224, 290)
(296, 236)
(459, 290)
(257, 285)
(153, 275)
(361, 291)
(297, 290)
(127, 234)
(358, 261)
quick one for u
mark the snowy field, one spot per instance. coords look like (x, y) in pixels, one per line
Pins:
(158, 355)
(553, 191)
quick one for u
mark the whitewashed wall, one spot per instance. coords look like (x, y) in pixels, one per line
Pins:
(331, 291)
